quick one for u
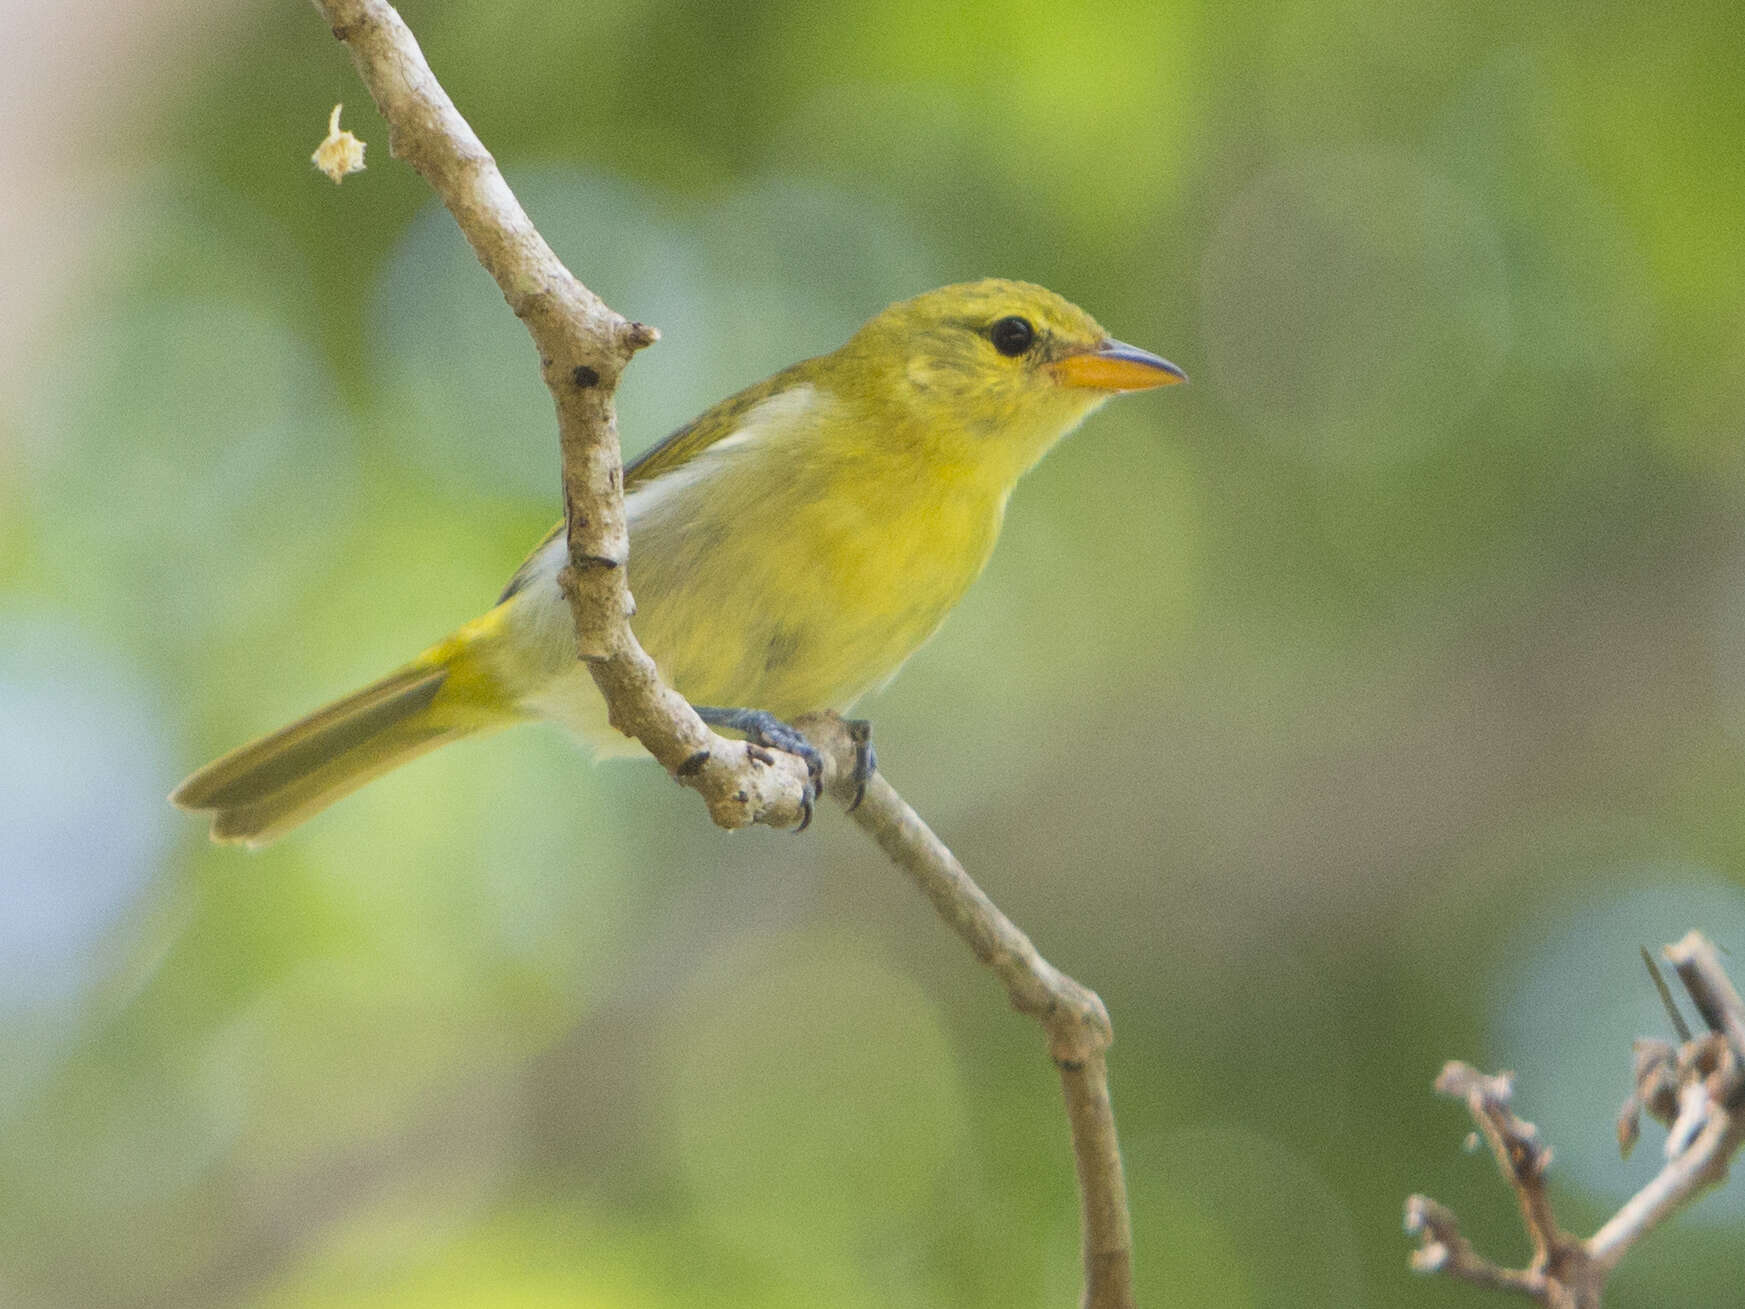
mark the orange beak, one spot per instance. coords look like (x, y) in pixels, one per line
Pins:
(1115, 366)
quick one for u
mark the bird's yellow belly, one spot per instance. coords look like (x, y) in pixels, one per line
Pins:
(810, 613)
(804, 614)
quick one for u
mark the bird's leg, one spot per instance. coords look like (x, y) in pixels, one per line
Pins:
(765, 731)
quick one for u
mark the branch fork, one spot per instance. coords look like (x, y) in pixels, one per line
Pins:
(1697, 1090)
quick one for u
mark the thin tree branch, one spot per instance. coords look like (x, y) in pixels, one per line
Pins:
(1071, 1015)
(583, 347)
(1708, 1126)
(1697, 1090)
(1444, 1250)
(1711, 990)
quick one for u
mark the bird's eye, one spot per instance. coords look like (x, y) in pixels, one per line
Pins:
(1012, 336)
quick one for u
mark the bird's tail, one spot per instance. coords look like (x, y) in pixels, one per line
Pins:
(261, 791)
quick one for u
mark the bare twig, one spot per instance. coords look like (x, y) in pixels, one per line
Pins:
(1444, 1250)
(1697, 1090)
(1665, 993)
(1711, 990)
(1709, 1125)
(1076, 1024)
(583, 348)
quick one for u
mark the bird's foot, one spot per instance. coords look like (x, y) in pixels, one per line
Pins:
(764, 731)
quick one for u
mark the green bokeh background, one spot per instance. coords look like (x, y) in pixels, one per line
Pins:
(1362, 705)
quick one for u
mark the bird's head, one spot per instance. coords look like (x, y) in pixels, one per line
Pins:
(1000, 370)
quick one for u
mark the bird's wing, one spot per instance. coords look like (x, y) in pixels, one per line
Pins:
(529, 565)
(671, 452)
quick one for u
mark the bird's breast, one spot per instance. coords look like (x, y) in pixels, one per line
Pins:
(794, 602)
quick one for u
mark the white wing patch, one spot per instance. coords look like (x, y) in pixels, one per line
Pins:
(773, 417)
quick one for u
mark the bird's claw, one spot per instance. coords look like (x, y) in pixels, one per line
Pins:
(866, 759)
(788, 740)
(765, 732)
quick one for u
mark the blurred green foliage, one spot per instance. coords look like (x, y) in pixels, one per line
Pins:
(1364, 704)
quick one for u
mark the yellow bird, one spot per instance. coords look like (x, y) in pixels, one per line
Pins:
(788, 550)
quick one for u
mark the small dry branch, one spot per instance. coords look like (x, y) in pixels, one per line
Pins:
(1697, 1090)
(1071, 1015)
